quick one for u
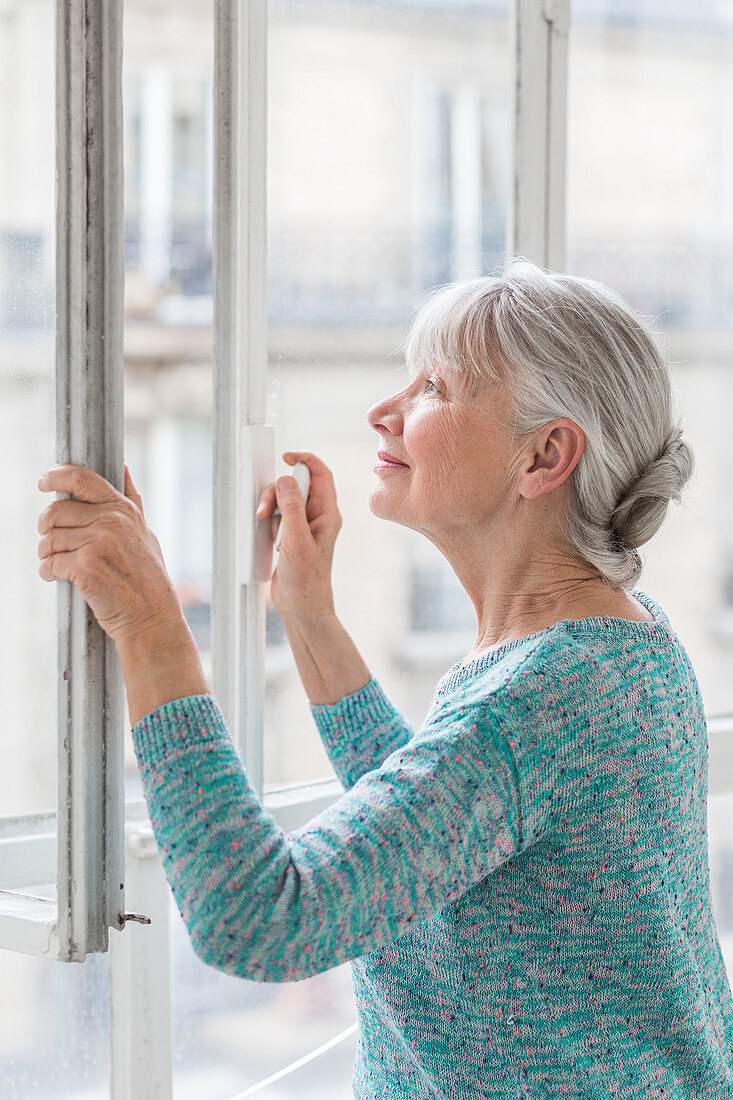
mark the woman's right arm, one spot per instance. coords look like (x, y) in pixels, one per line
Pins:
(329, 664)
(358, 724)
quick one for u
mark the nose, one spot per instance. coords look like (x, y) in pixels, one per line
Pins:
(386, 416)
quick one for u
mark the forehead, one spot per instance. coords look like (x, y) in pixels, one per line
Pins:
(465, 382)
(439, 367)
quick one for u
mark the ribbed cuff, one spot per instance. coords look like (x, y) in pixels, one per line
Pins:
(186, 721)
(367, 705)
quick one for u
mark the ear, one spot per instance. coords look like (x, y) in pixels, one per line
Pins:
(555, 452)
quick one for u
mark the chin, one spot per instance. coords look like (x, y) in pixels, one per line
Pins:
(374, 507)
(378, 506)
(381, 511)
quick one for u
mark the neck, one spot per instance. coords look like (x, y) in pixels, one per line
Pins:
(517, 591)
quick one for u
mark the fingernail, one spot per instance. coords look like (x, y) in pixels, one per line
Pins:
(42, 481)
(284, 483)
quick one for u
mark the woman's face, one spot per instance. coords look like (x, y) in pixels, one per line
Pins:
(456, 451)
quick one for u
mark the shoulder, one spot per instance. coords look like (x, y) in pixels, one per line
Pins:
(554, 664)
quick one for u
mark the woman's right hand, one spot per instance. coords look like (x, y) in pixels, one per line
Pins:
(300, 586)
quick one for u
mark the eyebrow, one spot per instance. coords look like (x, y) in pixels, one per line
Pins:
(442, 370)
(460, 379)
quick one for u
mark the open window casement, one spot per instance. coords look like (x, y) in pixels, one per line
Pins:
(80, 847)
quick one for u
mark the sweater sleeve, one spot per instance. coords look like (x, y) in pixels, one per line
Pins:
(437, 816)
(360, 730)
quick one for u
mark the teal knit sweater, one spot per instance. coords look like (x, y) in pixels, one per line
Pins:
(521, 886)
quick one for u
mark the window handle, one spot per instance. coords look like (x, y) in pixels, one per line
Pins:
(257, 453)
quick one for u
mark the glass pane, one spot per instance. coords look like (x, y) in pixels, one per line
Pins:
(27, 431)
(230, 1034)
(388, 151)
(54, 1028)
(167, 89)
(650, 213)
(227, 1032)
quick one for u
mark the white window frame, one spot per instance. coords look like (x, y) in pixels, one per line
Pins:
(82, 847)
(538, 113)
(88, 827)
(244, 447)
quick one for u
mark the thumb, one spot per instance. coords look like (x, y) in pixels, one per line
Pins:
(291, 504)
(130, 491)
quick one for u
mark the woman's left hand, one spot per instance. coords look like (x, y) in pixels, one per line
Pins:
(101, 542)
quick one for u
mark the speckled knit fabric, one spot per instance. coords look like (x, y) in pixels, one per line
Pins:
(522, 885)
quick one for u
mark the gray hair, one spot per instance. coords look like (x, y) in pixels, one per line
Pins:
(571, 347)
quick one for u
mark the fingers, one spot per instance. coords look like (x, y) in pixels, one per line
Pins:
(319, 471)
(267, 502)
(290, 502)
(321, 517)
(131, 492)
(321, 494)
(57, 567)
(62, 540)
(81, 482)
(67, 513)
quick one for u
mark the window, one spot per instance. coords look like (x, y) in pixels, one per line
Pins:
(640, 115)
(61, 869)
(27, 287)
(406, 144)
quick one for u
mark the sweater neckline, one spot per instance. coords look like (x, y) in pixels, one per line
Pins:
(594, 624)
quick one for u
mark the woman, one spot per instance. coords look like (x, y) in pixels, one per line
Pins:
(521, 885)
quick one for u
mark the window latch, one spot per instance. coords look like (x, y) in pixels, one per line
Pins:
(139, 917)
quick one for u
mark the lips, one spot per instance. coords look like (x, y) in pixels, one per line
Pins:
(385, 457)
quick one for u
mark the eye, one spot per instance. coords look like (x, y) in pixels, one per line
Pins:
(429, 382)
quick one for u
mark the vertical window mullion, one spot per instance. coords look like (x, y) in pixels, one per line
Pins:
(140, 979)
(243, 457)
(89, 432)
(536, 221)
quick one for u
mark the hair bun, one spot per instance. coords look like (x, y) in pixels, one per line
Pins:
(642, 509)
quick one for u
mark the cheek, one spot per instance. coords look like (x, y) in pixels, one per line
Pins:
(430, 437)
(448, 456)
